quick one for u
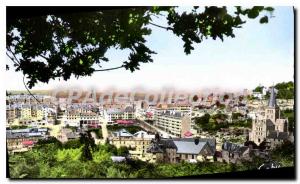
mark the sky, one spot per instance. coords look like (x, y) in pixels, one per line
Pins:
(259, 54)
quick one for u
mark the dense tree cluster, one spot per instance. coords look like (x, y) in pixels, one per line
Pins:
(290, 115)
(285, 90)
(50, 162)
(236, 116)
(130, 128)
(258, 89)
(55, 46)
(210, 123)
(53, 161)
(285, 154)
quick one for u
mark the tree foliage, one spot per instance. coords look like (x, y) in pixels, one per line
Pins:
(235, 116)
(130, 128)
(61, 45)
(50, 162)
(285, 90)
(210, 124)
(258, 89)
(203, 119)
(289, 113)
(285, 154)
(88, 146)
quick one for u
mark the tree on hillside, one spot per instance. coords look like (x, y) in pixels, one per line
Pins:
(59, 45)
(88, 146)
(203, 119)
(258, 89)
(285, 90)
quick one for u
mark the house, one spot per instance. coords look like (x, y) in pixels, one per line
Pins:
(137, 143)
(24, 139)
(143, 134)
(114, 114)
(234, 153)
(258, 95)
(182, 149)
(193, 150)
(276, 138)
(122, 133)
(67, 134)
(162, 151)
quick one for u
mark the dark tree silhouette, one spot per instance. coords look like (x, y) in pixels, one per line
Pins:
(58, 45)
(88, 146)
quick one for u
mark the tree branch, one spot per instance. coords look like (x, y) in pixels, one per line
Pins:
(108, 69)
(14, 60)
(43, 57)
(29, 90)
(166, 28)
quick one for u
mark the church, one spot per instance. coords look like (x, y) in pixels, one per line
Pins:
(269, 126)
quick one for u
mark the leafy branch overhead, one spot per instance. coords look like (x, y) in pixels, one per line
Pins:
(60, 45)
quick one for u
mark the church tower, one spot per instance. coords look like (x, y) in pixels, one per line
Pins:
(269, 126)
(272, 110)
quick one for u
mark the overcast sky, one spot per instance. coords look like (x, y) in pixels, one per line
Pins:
(259, 54)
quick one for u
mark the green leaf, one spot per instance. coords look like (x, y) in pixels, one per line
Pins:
(253, 14)
(264, 20)
(80, 62)
(269, 8)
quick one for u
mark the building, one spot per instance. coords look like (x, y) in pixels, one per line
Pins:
(269, 123)
(38, 113)
(25, 112)
(78, 118)
(194, 149)
(11, 115)
(234, 153)
(28, 114)
(114, 114)
(162, 151)
(182, 149)
(137, 143)
(24, 139)
(174, 122)
(66, 134)
(285, 104)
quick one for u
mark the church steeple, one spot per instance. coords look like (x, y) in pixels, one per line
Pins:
(272, 100)
(272, 110)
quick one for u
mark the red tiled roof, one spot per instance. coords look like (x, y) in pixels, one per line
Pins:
(124, 121)
(27, 143)
(188, 134)
(149, 114)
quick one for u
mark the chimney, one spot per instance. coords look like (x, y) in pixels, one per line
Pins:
(197, 140)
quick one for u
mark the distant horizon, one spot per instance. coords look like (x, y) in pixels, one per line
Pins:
(141, 89)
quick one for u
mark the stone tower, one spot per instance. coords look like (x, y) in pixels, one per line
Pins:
(272, 110)
(264, 124)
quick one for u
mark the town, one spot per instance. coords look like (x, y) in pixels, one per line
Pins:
(218, 128)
